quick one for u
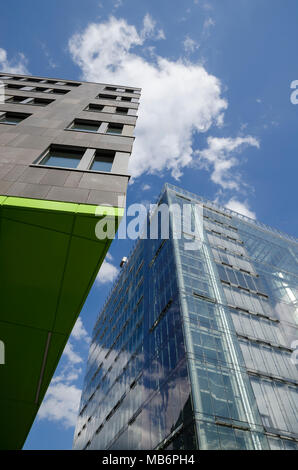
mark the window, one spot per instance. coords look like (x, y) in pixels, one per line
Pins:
(84, 126)
(12, 118)
(114, 128)
(43, 90)
(62, 157)
(106, 97)
(121, 110)
(72, 84)
(103, 161)
(14, 87)
(110, 88)
(41, 102)
(125, 98)
(16, 99)
(95, 107)
(77, 158)
(26, 100)
(35, 80)
(60, 92)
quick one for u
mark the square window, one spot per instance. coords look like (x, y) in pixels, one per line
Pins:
(13, 118)
(41, 101)
(103, 161)
(43, 90)
(60, 92)
(62, 157)
(121, 110)
(95, 107)
(106, 97)
(85, 126)
(114, 128)
(15, 87)
(16, 99)
(72, 84)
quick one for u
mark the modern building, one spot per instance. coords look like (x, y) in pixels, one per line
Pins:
(195, 346)
(64, 152)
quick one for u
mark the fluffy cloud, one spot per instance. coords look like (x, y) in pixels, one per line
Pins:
(178, 97)
(190, 45)
(79, 332)
(240, 207)
(61, 404)
(220, 157)
(62, 399)
(107, 272)
(15, 65)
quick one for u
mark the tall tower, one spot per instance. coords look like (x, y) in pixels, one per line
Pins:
(64, 152)
(194, 347)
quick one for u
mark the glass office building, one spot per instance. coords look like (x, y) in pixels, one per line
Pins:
(195, 347)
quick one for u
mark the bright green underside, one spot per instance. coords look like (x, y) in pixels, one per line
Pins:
(49, 258)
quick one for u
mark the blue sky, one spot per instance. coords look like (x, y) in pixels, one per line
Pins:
(215, 118)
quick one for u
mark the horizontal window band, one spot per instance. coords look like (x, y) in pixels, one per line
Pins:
(274, 378)
(257, 314)
(204, 297)
(237, 286)
(265, 343)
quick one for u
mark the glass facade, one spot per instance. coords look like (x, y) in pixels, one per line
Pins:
(194, 348)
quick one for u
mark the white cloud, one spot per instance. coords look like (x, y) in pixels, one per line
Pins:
(61, 404)
(117, 4)
(149, 29)
(240, 207)
(71, 355)
(62, 399)
(79, 332)
(178, 97)
(146, 187)
(107, 272)
(51, 62)
(208, 23)
(190, 45)
(16, 65)
(220, 157)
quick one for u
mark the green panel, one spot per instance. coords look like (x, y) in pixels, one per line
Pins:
(16, 421)
(61, 221)
(32, 260)
(23, 202)
(56, 347)
(22, 360)
(49, 258)
(85, 258)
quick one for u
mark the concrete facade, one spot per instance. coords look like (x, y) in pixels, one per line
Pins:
(22, 145)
